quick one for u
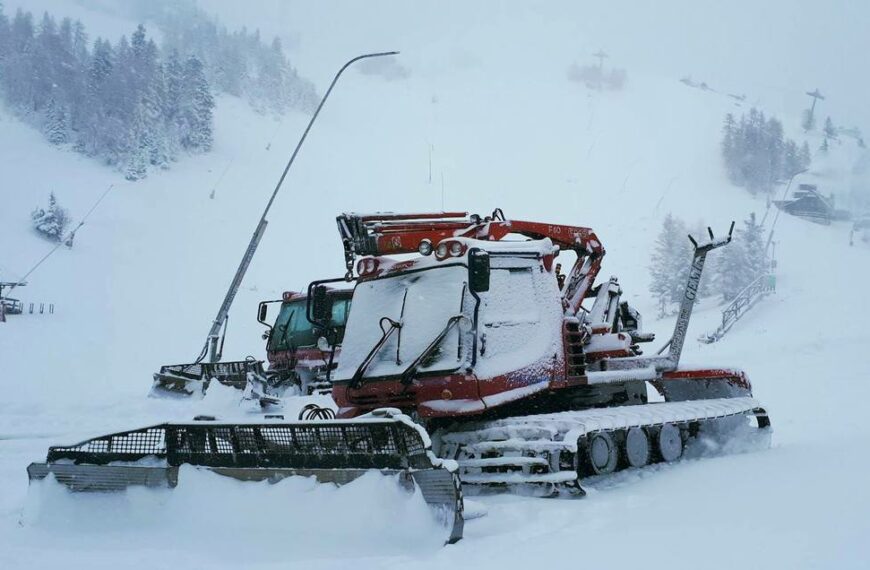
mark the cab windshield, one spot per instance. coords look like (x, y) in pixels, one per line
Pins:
(423, 302)
(517, 322)
(293, 330)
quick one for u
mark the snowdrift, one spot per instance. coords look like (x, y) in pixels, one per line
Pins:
(213, 520)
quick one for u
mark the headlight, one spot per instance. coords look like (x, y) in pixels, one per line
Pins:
(441, 250)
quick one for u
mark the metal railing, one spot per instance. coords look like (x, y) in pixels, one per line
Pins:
(763, 285)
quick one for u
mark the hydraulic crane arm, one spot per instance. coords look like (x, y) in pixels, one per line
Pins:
(388, 234)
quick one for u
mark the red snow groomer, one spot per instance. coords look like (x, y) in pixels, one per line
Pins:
(295, 343)
(522, 374)
(300, 355)
(468, 356)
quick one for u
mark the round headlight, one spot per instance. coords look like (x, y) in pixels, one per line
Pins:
(361, 266)
(456, 249)
(441, 250)
(425, 247)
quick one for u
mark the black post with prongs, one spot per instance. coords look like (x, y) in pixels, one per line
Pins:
(691, 292)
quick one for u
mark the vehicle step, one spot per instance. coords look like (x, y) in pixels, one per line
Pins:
(517, 478)
(520, 445)
(504, 461)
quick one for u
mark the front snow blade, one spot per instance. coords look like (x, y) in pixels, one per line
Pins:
(192, 380)
(334, 451)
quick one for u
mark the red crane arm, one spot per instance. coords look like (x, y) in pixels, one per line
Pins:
(385, 234)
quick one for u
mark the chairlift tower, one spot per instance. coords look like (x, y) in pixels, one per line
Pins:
(816, 95)
(9, 305)
(601, 56)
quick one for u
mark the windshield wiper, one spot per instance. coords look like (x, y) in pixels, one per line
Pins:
(356, 380)
(286, 327)
(411, 370)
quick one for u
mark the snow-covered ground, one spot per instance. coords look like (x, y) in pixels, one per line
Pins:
(505, 128)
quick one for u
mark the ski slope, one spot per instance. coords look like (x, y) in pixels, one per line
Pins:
(504, 128)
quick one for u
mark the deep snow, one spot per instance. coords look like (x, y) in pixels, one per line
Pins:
(505, 128)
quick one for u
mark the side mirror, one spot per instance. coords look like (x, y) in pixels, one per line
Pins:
(262, 312)
(478, 270)
(321, 311)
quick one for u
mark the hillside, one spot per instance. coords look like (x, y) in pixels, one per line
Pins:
(149, 269)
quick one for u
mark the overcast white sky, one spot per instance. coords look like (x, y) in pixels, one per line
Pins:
(773, 51)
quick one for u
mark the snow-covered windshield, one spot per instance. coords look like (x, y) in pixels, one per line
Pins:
(519, 318)
(423, 302)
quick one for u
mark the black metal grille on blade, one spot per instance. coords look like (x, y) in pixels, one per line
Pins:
(315, 445)
(191, 371)
(125, 446)
(310, 446)
(229, 373)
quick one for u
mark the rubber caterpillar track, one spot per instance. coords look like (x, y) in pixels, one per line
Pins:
(555, 451)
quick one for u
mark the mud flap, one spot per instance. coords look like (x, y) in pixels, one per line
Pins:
(336, 451)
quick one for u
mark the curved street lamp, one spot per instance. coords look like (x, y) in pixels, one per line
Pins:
(211, 342)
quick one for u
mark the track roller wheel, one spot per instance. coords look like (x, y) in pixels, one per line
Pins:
(669, 443)
(602, 453)
(637, 448)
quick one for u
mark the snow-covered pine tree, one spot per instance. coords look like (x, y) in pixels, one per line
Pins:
(139, 149)
(137, 162)
(118, 103)
(197, 106)
(669, 265)
(233, 61)
(824, 148)
(774, 151)
(16, 70)
(173, 81)
(729, 147)
(5, 41)
(269, 91)
(756, 153)
(752, 244)
(56, 126)
(50, 222)
(93, 121)
(805, 156)
(791, 162)
(231, 74)
(101, 65)
(730, 270)
(106, 99)
(150, 123)
(753, 145)
(741, 262)
(80, 43)
(41, 64)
